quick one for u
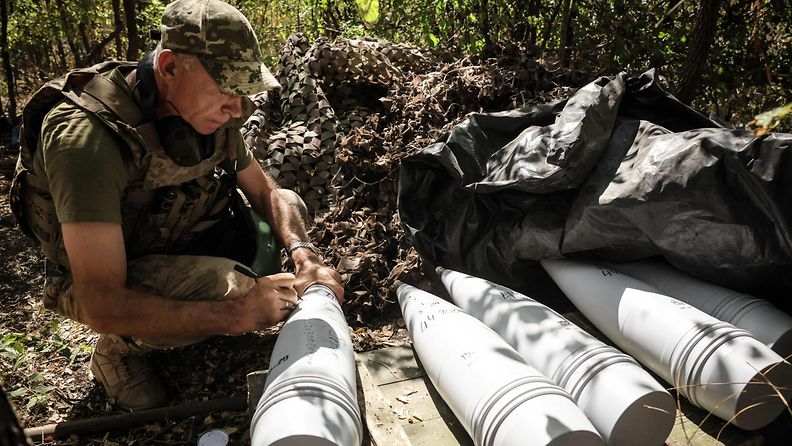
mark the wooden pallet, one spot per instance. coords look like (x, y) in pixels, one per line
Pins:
(401, 407)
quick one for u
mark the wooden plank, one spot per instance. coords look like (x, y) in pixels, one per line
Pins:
(417, 404)
(383, 428)
(412, 399)
(438, 432)
(694, 427)
(392, 364)
(685, 432)
(255, 388)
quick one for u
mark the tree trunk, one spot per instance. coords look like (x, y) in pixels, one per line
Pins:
(759, 53)
(9, 74)
(67, 31)
(119, 25)
(548, 27)
(483, 22)
(533, 10)
(94, 56)
(696, 59)
(523, 31)
(132, 32)
(64, 63)
(619, 26)
(566, 19)
(86, 41)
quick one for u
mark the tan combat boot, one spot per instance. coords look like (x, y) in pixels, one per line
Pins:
(127, 376)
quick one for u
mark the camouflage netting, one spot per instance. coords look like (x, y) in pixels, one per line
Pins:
(348, 112)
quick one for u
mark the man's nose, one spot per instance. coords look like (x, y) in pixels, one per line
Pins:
(233, 106)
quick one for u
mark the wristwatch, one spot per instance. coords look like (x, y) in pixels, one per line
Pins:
(298, 245)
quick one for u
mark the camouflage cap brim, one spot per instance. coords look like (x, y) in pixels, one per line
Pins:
(240, 78)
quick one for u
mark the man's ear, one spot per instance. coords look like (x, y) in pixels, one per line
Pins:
(166, 64)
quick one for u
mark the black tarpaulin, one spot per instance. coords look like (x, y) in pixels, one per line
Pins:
(619, 171)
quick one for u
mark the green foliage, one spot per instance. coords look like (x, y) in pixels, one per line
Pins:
(25, 351)
(47, 340)
(764, 122)
(747, 71)
(771, 118)
(13, 355)
(12, 350)
(34, 392)
(369, 12)
(51, 341)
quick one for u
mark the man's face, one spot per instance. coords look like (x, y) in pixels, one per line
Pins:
(198, 97)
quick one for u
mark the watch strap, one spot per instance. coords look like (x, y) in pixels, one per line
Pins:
(298, 245)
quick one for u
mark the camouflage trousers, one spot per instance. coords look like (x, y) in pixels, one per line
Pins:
(185, 278)
(179, 277)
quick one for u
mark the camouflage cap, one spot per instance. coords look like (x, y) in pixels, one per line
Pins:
(222, 39)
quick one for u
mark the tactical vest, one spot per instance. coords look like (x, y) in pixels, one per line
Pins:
(165, 206)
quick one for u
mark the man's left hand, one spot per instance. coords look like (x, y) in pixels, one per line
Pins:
(310, 270)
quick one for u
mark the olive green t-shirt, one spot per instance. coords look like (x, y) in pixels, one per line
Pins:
(86, 165)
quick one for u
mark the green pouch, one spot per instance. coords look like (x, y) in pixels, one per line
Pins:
(265, 257)
(244, 236)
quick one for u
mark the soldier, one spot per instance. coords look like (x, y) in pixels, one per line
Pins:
(128, 178)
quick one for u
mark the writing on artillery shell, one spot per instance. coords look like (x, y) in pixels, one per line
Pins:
(283, 359)
(468, 357)
(507, 294)
(679, 303)
(333, 338)
(427, 318)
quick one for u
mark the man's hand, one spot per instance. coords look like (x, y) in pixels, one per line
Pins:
(263, 195)
(270, 301)
(310, 270)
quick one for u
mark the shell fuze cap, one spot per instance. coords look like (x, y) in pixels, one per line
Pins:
(222, 39)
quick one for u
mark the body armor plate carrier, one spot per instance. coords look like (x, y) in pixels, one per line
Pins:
(166, 208)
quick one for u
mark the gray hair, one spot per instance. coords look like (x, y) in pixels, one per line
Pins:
(188, 60)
